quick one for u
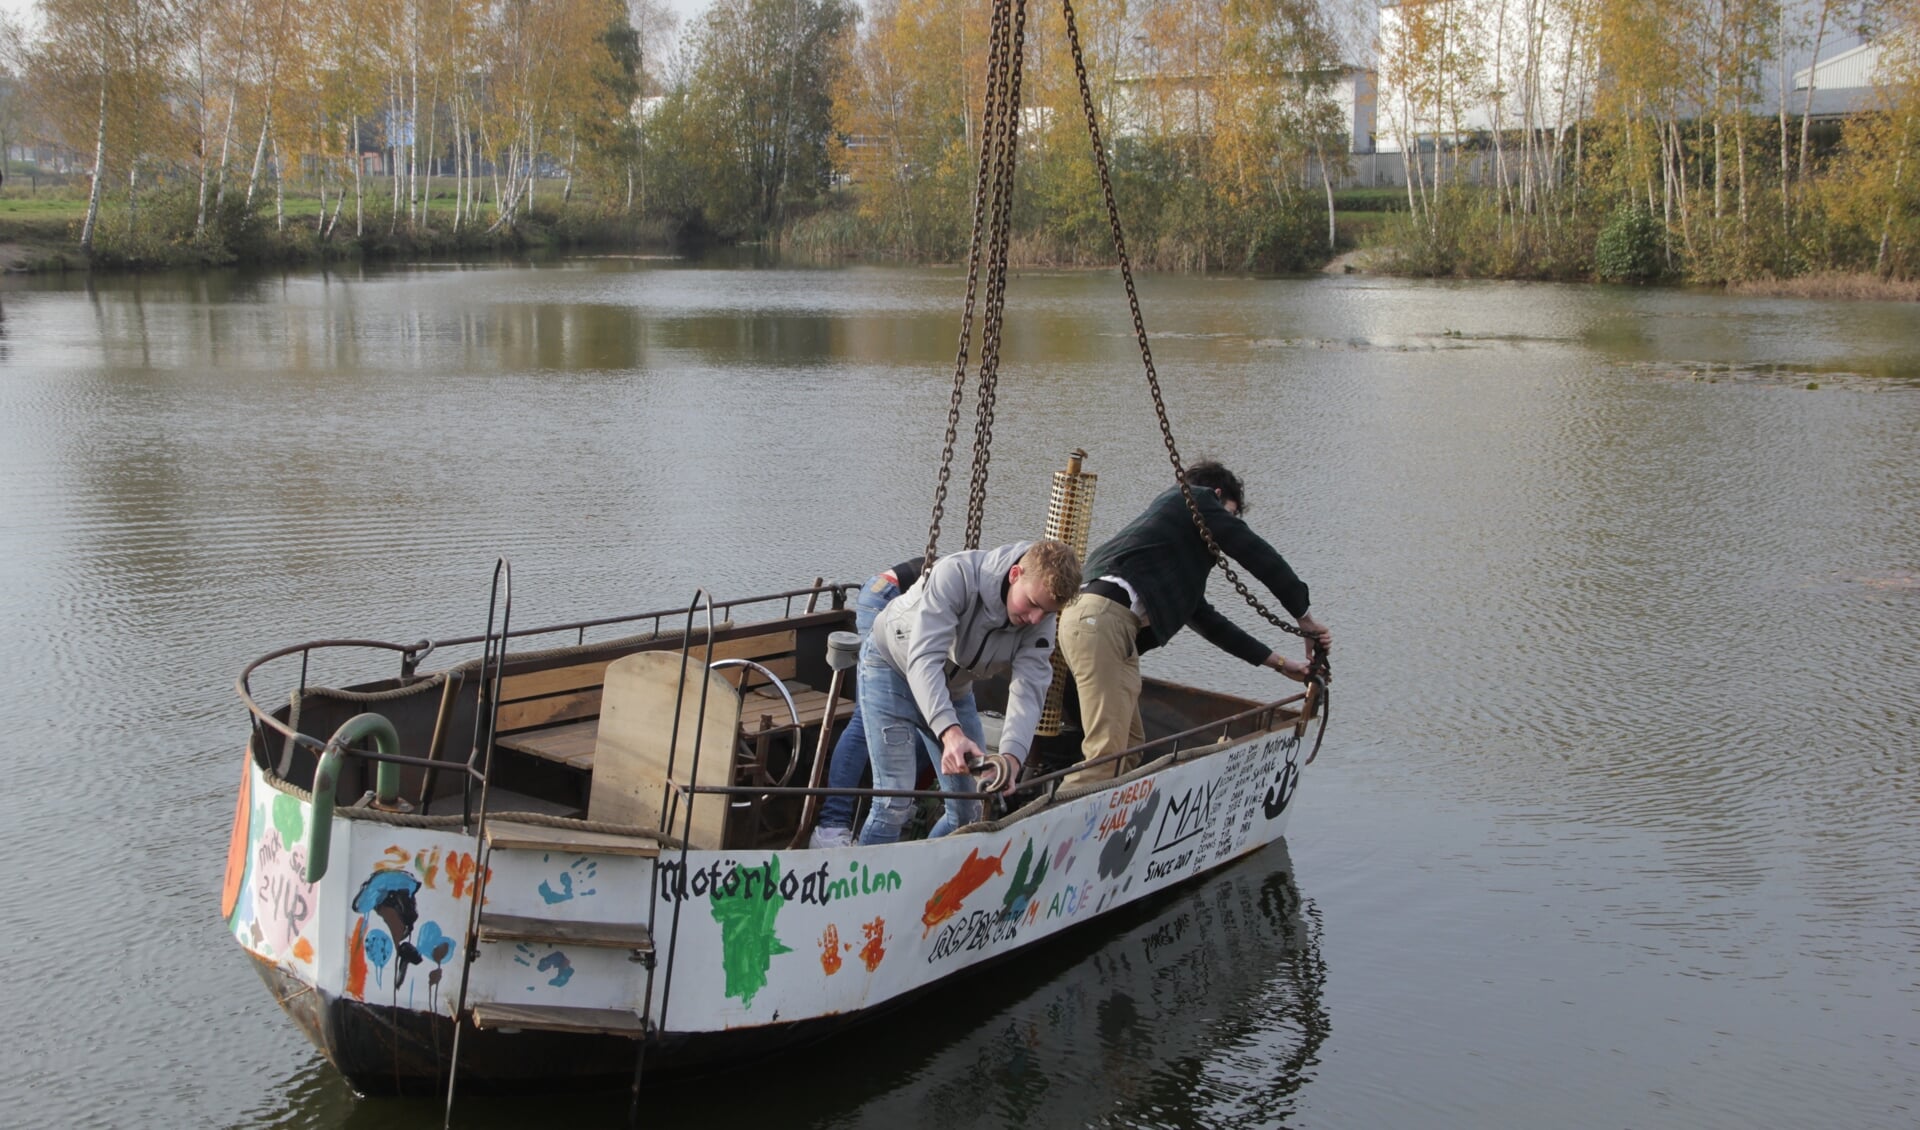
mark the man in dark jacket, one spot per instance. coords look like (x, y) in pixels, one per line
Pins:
(1147, 583)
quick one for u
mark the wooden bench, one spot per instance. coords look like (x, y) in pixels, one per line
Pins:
(764, 711)
(554, 714)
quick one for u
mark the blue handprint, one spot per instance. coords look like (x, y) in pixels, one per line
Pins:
(583, 868)
(554, 962)
(557, 963)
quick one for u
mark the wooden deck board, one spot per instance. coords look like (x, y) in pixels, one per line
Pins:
(508, 834)
(614, 935)
(571, 744)
(556, 1018)
(811, 706)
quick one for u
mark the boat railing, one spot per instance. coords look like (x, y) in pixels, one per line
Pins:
(411, 654)
(265, 721)
(722, 609)
(1207, 736)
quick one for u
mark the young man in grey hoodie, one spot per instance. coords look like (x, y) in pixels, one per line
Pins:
(974, 615)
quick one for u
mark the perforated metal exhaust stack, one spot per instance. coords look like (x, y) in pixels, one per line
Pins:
(1069, 516)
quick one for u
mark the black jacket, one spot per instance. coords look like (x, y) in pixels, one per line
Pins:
(1162, 556)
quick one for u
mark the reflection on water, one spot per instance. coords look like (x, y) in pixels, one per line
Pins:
(1627, 717)
(1204, 1007)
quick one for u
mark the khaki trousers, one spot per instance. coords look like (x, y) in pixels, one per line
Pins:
(1097, 642)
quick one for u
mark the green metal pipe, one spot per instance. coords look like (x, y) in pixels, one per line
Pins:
(326, 779)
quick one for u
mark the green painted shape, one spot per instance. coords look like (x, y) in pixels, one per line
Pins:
(288, 819)
(1022, 886)
(747, 940)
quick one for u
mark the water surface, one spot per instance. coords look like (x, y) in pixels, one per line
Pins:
(1616, 821)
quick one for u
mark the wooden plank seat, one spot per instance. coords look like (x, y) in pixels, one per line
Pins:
(554, 714)
(571, 744)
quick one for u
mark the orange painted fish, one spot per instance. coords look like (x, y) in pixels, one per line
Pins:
(947, 899)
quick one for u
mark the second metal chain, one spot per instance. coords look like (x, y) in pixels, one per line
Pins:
(992, 221)
(1319, 666)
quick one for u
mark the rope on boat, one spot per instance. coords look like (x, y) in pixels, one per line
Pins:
(416, 820)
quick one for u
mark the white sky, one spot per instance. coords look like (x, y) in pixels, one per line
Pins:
(16, 8)
(21, 10)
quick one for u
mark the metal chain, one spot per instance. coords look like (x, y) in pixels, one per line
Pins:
(998, 238)
(992, 127)
(1319, 666)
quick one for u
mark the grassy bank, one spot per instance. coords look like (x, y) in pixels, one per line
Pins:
(41, 231)
(1294, 244)
(1582, 235)
(1832, 285)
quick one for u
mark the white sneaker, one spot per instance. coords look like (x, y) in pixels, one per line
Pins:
(828, 836)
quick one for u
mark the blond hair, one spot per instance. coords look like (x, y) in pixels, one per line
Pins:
(1054, 566)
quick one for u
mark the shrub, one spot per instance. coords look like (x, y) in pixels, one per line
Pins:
(1628, 249)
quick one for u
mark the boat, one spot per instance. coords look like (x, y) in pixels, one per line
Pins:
(577, 854)
(571, 861)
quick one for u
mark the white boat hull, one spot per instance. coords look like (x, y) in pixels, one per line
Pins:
(783, 942)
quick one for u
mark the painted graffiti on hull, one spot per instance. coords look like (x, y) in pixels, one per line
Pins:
(563, 886)
(1286, 779)
(747, 917)
(763, 881)
(732, 880)
(1116, 854)
(460, 868)
(553, 967)
(389, 896)
(746, 899)
(1189, 817)
(387, 929)
(949, 896)
(830, 950)
(875, 950)
(239, 845)
(871, 953)
(1068, 902)
(1024, 886)
(984, 927)
(434, 945)
(283, 900)
(975, 930)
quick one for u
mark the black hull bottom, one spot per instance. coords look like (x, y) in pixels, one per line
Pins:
(390, 1051)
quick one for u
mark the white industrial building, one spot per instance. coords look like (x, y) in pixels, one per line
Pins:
(1510, 75)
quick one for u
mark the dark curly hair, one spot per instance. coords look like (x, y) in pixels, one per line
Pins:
(1208, 474)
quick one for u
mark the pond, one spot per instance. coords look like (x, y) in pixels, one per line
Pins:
(1614, 825)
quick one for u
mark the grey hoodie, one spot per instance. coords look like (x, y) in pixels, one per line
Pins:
(951, 628)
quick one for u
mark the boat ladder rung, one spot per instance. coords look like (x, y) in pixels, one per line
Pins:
(611, 935)
(510, 834)
(558, 1018)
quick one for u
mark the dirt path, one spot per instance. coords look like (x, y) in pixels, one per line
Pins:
(1349, 263)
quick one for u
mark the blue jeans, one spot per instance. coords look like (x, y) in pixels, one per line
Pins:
(848, 769)
(897, 737)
